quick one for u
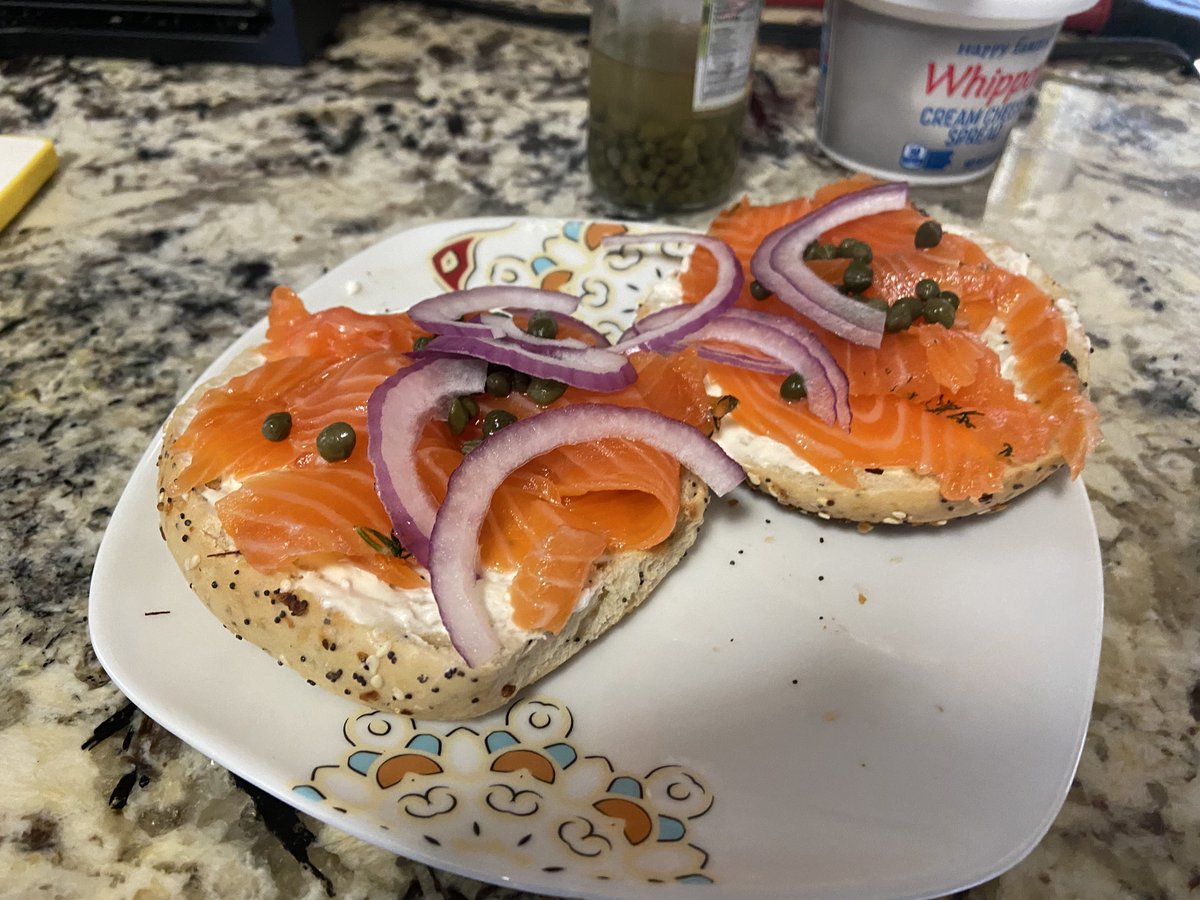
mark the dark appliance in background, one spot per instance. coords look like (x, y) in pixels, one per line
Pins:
(289, 32)
(278, 32)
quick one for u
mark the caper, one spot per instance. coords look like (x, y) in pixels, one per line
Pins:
(277, 426)
(817, 250)
(950, 297)
(875, 303)
(542, 324)
(929, 234)
(758, 292)
(544, 391)
(422, 342)
(938, 311)
(336, 442)
(468, 446)
(462, 411)
(498, 383)
(927, 288)
(901, 313)
(858, 277)
(520, 382)
(852, 248)
(793, 387)
(497, 419)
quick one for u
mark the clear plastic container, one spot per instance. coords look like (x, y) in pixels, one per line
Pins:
(928, 90)
(667, 95)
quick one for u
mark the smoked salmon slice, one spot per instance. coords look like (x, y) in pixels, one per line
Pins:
(929, 398)
(288, 509)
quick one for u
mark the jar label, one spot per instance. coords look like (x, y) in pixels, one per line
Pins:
(727, 32)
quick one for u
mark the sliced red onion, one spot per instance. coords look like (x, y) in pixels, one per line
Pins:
(744, 360)
(778, 265)
(503, 326)
(454, 546)
(811, 343)
(722, 296)
(598, 338)
(441, 314)
(822, 395)
(591, 368)
(397, 411)
(652, 320)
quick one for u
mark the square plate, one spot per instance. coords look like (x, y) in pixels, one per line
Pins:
(803, 709)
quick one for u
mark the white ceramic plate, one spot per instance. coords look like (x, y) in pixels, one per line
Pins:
(800, 710)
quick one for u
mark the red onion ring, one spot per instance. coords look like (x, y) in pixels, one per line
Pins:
(503, 327)
(799, 333)
(440, 314)
(725, 329)
(591, 368)
(778, 265)
(822, 395)
(397, 411)
(655, 319)
(598, 338)
(454, 544)
(743, 360)
(722, 296)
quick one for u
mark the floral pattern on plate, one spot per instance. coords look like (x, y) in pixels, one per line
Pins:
(519, 794)
(568, 258)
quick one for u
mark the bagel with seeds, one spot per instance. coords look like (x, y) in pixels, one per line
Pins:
(342, 626)
(784, 449)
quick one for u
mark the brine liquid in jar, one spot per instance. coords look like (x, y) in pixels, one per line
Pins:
(668, 102)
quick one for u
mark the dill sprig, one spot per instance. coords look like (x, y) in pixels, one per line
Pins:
(380, 542)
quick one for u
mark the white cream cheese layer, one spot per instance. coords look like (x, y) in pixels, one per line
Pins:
(750, 448)
(373, 603)
(758, 450)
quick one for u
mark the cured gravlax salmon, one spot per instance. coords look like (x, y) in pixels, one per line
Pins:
(288, 509)
(966, 405)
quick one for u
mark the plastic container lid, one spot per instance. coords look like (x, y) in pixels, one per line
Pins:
(979, 13)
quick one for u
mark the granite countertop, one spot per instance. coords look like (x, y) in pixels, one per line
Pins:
(186, 191)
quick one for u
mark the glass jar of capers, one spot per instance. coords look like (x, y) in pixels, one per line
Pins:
(668, 88)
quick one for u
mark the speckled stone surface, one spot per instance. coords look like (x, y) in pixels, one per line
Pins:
(185, 192)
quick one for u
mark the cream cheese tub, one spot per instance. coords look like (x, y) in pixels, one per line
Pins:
(928, 90)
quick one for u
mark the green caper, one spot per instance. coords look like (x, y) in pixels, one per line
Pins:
(336, 442)
(793, 387)
(901, 313)
(520, 382)
(938, 311)
(929, 234)
(497, 419)
(277, 426)
(462, 411)
(817, 250)
(544, 391)
(950, 297)
(498, 383)
(758, 292)
(542, 324)
(927, 288)
(858, 277)
(422, 342)
(468, 446)
(875, 303)
(852, 248)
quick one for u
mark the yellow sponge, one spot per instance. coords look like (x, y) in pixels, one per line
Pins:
(25, 165)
